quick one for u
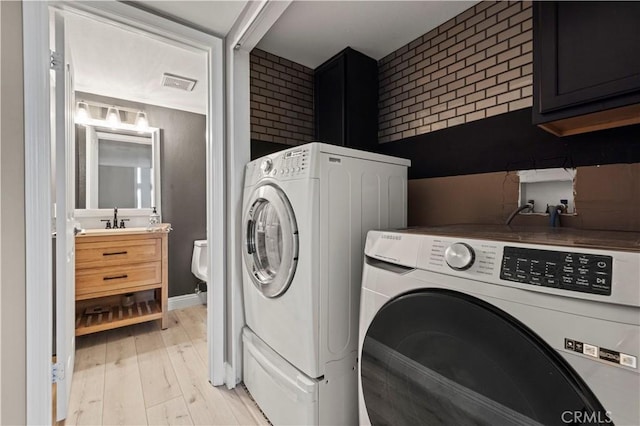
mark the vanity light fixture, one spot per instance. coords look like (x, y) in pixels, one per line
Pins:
(141, 121)
(83, 115)
(117, 117)
(113, 116)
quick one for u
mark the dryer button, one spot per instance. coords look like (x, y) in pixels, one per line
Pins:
(459, 256)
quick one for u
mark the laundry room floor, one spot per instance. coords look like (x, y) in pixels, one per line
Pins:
(144, 375)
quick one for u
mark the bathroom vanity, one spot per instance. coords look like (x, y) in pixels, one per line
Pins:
(121, 277)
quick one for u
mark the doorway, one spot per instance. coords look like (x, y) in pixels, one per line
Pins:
(38, 153)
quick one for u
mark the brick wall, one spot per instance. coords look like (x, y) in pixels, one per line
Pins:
(281, 99)
(474, 66)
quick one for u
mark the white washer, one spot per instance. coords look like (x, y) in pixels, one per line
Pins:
(489, 325)
(306, 214)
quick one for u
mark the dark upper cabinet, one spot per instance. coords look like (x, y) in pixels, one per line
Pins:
(586, 65)
(346, 100)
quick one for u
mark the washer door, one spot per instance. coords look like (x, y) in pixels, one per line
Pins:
(270, 241)
(439, 357)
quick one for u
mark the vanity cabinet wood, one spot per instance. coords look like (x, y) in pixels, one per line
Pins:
(111, 265)
(586, 65)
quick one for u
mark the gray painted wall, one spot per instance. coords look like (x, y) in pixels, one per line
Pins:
(183, 168)
(13, 393)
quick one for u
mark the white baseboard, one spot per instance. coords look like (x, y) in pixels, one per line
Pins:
(186, 300)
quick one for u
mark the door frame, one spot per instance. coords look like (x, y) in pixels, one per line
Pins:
(38, 207)
(252, 24)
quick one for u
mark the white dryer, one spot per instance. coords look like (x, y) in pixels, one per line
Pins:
(490, 325)
(306, 213)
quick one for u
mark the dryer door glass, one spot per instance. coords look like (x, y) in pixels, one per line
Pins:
(445, 358)
(271, 241)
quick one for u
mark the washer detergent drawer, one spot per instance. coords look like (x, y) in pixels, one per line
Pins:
(285, 394)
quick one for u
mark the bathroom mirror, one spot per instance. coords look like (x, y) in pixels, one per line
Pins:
(116, 168)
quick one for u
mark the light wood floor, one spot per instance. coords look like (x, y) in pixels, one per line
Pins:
(140, 375)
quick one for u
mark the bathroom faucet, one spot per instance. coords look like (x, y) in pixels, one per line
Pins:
(115, 217)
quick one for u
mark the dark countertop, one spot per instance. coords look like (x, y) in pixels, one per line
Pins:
(607, 240)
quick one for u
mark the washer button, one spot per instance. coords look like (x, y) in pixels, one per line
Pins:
(590, 350)
(266, 165)
(628, 360)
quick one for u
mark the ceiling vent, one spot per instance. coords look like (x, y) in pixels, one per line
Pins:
(177, 82)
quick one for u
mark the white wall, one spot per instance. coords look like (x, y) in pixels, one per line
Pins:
(0, 215)
(12, 225)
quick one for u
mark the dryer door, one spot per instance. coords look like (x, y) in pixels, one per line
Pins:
(440, 357)
(270, 238)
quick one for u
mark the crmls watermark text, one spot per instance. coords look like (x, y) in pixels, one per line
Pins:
(580, 417)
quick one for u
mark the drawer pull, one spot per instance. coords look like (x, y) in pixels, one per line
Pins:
(116, 277)
(114, 253)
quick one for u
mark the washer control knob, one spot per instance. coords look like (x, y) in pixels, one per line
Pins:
(459, 256)
(266, 165)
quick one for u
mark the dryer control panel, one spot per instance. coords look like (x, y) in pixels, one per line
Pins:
(581, 272)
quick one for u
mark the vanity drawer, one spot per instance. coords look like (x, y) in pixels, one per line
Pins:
(106, 253)
(97, 282)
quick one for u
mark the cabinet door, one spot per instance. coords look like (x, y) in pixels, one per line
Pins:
(330, 101)
(346, 100)
(361, 113)
(586, 52)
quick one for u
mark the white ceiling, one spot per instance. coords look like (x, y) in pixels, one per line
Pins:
(310, 32)
(215, 17)
(114, 62)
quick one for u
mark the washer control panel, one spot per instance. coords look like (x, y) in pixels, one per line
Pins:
(288, 165)
(293, 163)
(587, 273)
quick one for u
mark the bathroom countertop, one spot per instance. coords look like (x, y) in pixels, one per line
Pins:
(161, 227)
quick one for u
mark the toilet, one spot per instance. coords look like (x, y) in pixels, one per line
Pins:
(199, 267)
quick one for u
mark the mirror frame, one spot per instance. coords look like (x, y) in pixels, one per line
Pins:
(154, 133)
